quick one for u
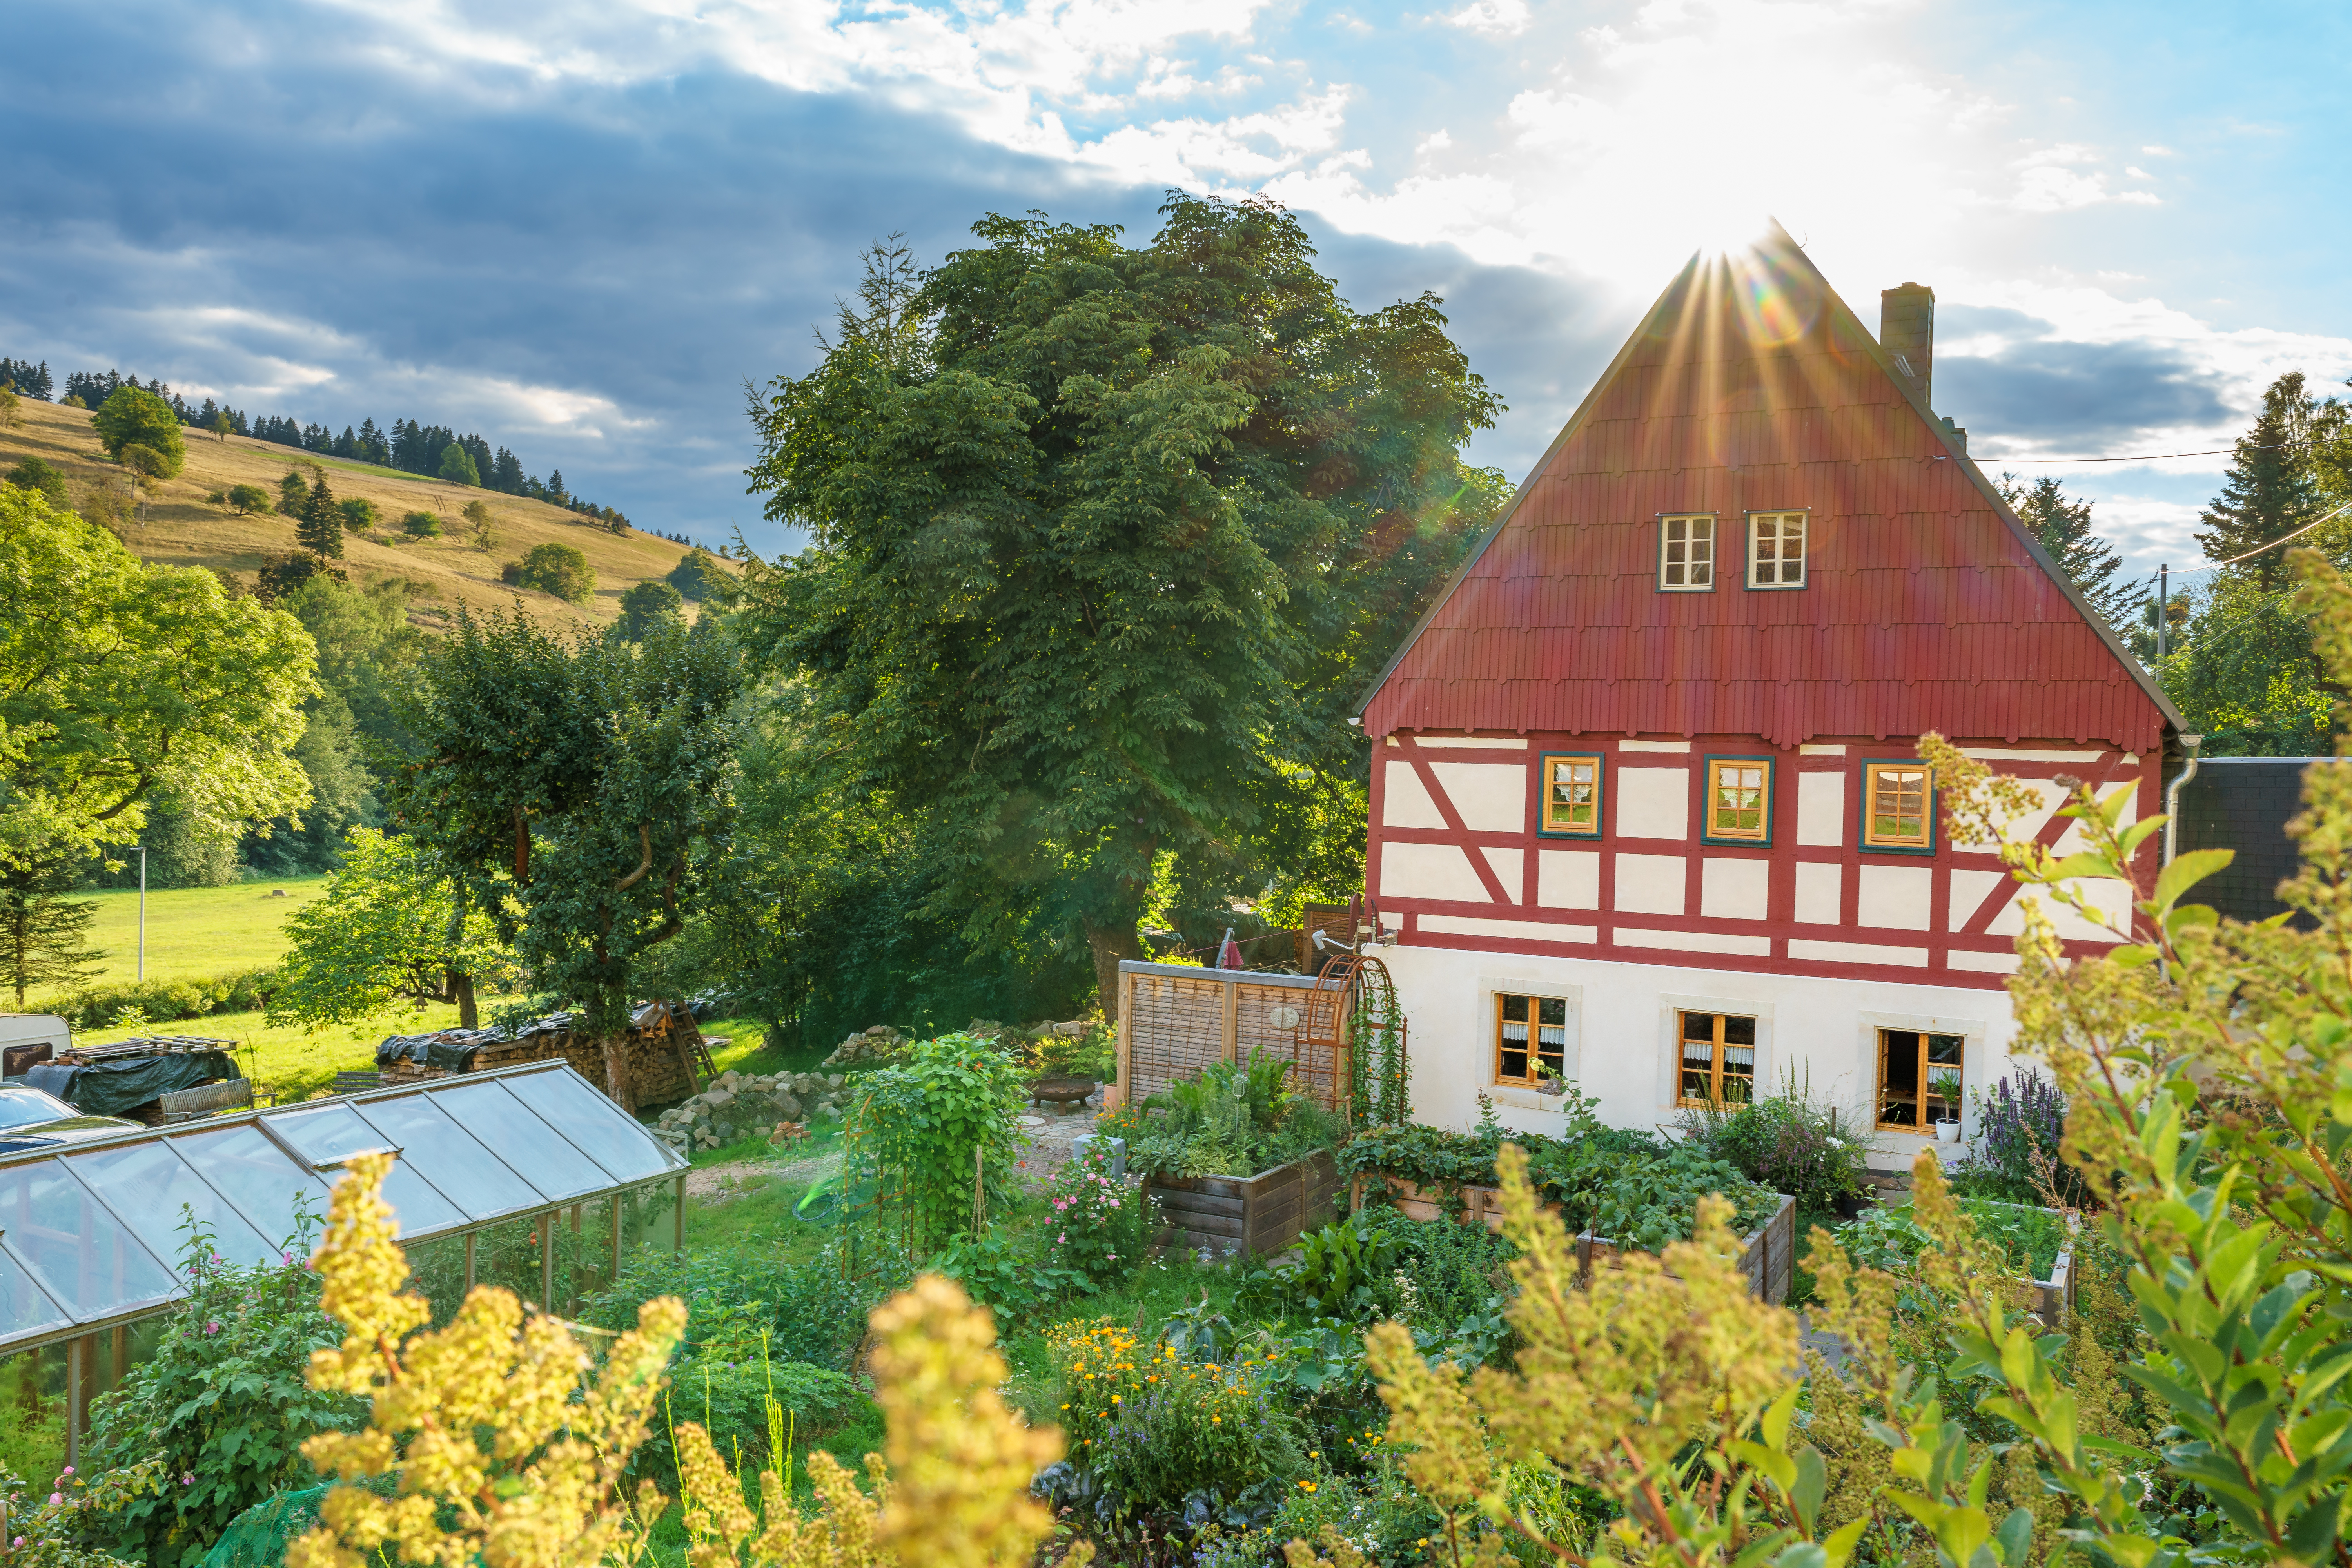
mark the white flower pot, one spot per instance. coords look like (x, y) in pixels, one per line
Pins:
(1947, 1131)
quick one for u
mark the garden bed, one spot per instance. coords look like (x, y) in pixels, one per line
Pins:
(1888, 1238)
(1260, 1214)
(1768, 1253)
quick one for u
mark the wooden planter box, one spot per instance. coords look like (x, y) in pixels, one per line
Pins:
(2053, 1299)
(1260, 1214)
(1768, 1256)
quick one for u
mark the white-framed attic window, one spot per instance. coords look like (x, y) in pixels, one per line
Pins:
(1686, 554)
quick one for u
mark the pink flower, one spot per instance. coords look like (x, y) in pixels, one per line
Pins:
(56, 1498)
(69, 1469)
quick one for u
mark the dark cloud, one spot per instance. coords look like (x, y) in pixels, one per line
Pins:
(287, 207)
(2036, 389)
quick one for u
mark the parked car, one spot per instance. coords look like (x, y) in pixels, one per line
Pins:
(30, 1119)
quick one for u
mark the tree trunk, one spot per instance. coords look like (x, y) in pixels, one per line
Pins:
(617, 1082)
(1109, 944)
(461, 987)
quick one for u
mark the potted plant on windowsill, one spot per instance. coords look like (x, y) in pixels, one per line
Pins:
(1549, 1080)
(1946, 1086)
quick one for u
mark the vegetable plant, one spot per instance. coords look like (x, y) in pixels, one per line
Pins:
(1229, 1119)
(939, 1130)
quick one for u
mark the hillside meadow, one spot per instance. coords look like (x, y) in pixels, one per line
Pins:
(177, 526)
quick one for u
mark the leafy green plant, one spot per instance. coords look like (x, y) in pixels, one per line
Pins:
(1096, 1225)
(732, 1400)
(225, 1402)
(1229, 1119)
(1788, 1142)
(1344, 1270)
(939, 1131)
(1890, 1238)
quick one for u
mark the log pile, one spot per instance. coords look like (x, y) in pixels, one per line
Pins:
(664, 1051)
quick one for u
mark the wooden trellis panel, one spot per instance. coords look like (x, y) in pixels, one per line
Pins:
(1174, 1020)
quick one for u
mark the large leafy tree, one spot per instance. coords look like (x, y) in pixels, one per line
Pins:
(119, 680)
(574, 790)
(393, 925)
(42, 932)
(1104, 539)
(132, 417)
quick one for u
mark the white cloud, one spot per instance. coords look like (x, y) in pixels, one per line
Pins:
(1499, 18)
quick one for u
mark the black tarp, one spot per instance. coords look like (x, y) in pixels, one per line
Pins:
(112, 1087)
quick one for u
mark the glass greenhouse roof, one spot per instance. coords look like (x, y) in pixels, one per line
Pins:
(91, 1234)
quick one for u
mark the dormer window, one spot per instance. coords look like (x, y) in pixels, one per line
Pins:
(1776, 549)
(1687, 555)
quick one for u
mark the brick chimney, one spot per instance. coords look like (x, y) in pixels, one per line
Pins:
(1906, 330)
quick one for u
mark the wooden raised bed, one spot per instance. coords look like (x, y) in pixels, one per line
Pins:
(1260, 1214)
(1768, 1256)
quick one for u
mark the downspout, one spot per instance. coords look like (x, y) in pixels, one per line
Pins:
(2172, 818)
(2172, 797)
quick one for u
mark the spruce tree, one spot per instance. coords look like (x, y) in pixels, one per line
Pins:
(2270, 489)
(2063, 527)
(321, 531)
(41, 932)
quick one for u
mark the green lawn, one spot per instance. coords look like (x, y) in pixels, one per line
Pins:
(198, 932)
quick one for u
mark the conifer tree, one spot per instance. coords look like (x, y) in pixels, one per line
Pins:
(2063, 527)
(2270, 489)
(321, 531)
(293, 492)
(42, 933)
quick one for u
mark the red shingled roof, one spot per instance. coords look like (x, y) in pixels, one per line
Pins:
(1750, 386)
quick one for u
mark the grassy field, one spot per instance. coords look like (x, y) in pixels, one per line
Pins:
(177, 526)
(198, 932)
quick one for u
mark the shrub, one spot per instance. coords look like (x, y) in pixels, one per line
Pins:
(480, 521)
(1787, 1142)
(511, 574)
(164, 1001)
(697, 576)
(224, 1401)
(360, 514)
(243, 499)
(34, 474)
(928, 1126)
(560, 570)
(134, 416)
(648, 606)
(813, 1311)
(1154, 1428)
(10, 404)
(1095, 1225)
(420, 525)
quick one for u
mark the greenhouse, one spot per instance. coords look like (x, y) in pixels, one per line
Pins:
(524, 1163)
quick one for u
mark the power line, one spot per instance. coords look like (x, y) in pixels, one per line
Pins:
(2146, 456)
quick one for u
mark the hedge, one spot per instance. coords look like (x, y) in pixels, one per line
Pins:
(165, 1001)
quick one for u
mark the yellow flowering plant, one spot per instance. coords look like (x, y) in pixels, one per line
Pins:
(504, 1448)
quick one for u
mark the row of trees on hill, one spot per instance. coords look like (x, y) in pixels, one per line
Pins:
(435, 451)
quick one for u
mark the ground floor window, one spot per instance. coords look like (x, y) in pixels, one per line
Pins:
(1530, 1033)
(1719, 1059)
(1918, 1078)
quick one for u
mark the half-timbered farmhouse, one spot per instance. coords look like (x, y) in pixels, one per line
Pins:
(1646, 807)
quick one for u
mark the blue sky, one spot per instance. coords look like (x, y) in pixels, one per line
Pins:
(580, 228)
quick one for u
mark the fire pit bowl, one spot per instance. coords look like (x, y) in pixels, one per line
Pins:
(1064, 1092)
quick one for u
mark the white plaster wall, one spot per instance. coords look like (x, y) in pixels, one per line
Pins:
(1821, 808)
(1653, 803)
(1404, 803)
(1825, 1027)
(1568, 879)
(1489, 797)
(1429, 871)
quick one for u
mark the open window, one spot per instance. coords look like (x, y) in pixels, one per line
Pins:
(1530, 1038)
(1687, 555)
(1898, 808)
(1776, 549)
(1719, 1059)
(1738, 800)
(1918, 1078)
(1571, 795)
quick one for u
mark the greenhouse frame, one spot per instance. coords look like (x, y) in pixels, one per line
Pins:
(91, 1233)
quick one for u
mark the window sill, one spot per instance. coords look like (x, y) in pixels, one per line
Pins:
(1520, 1098)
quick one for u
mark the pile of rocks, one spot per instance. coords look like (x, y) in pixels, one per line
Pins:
(738, 1104)
(868, 1048)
